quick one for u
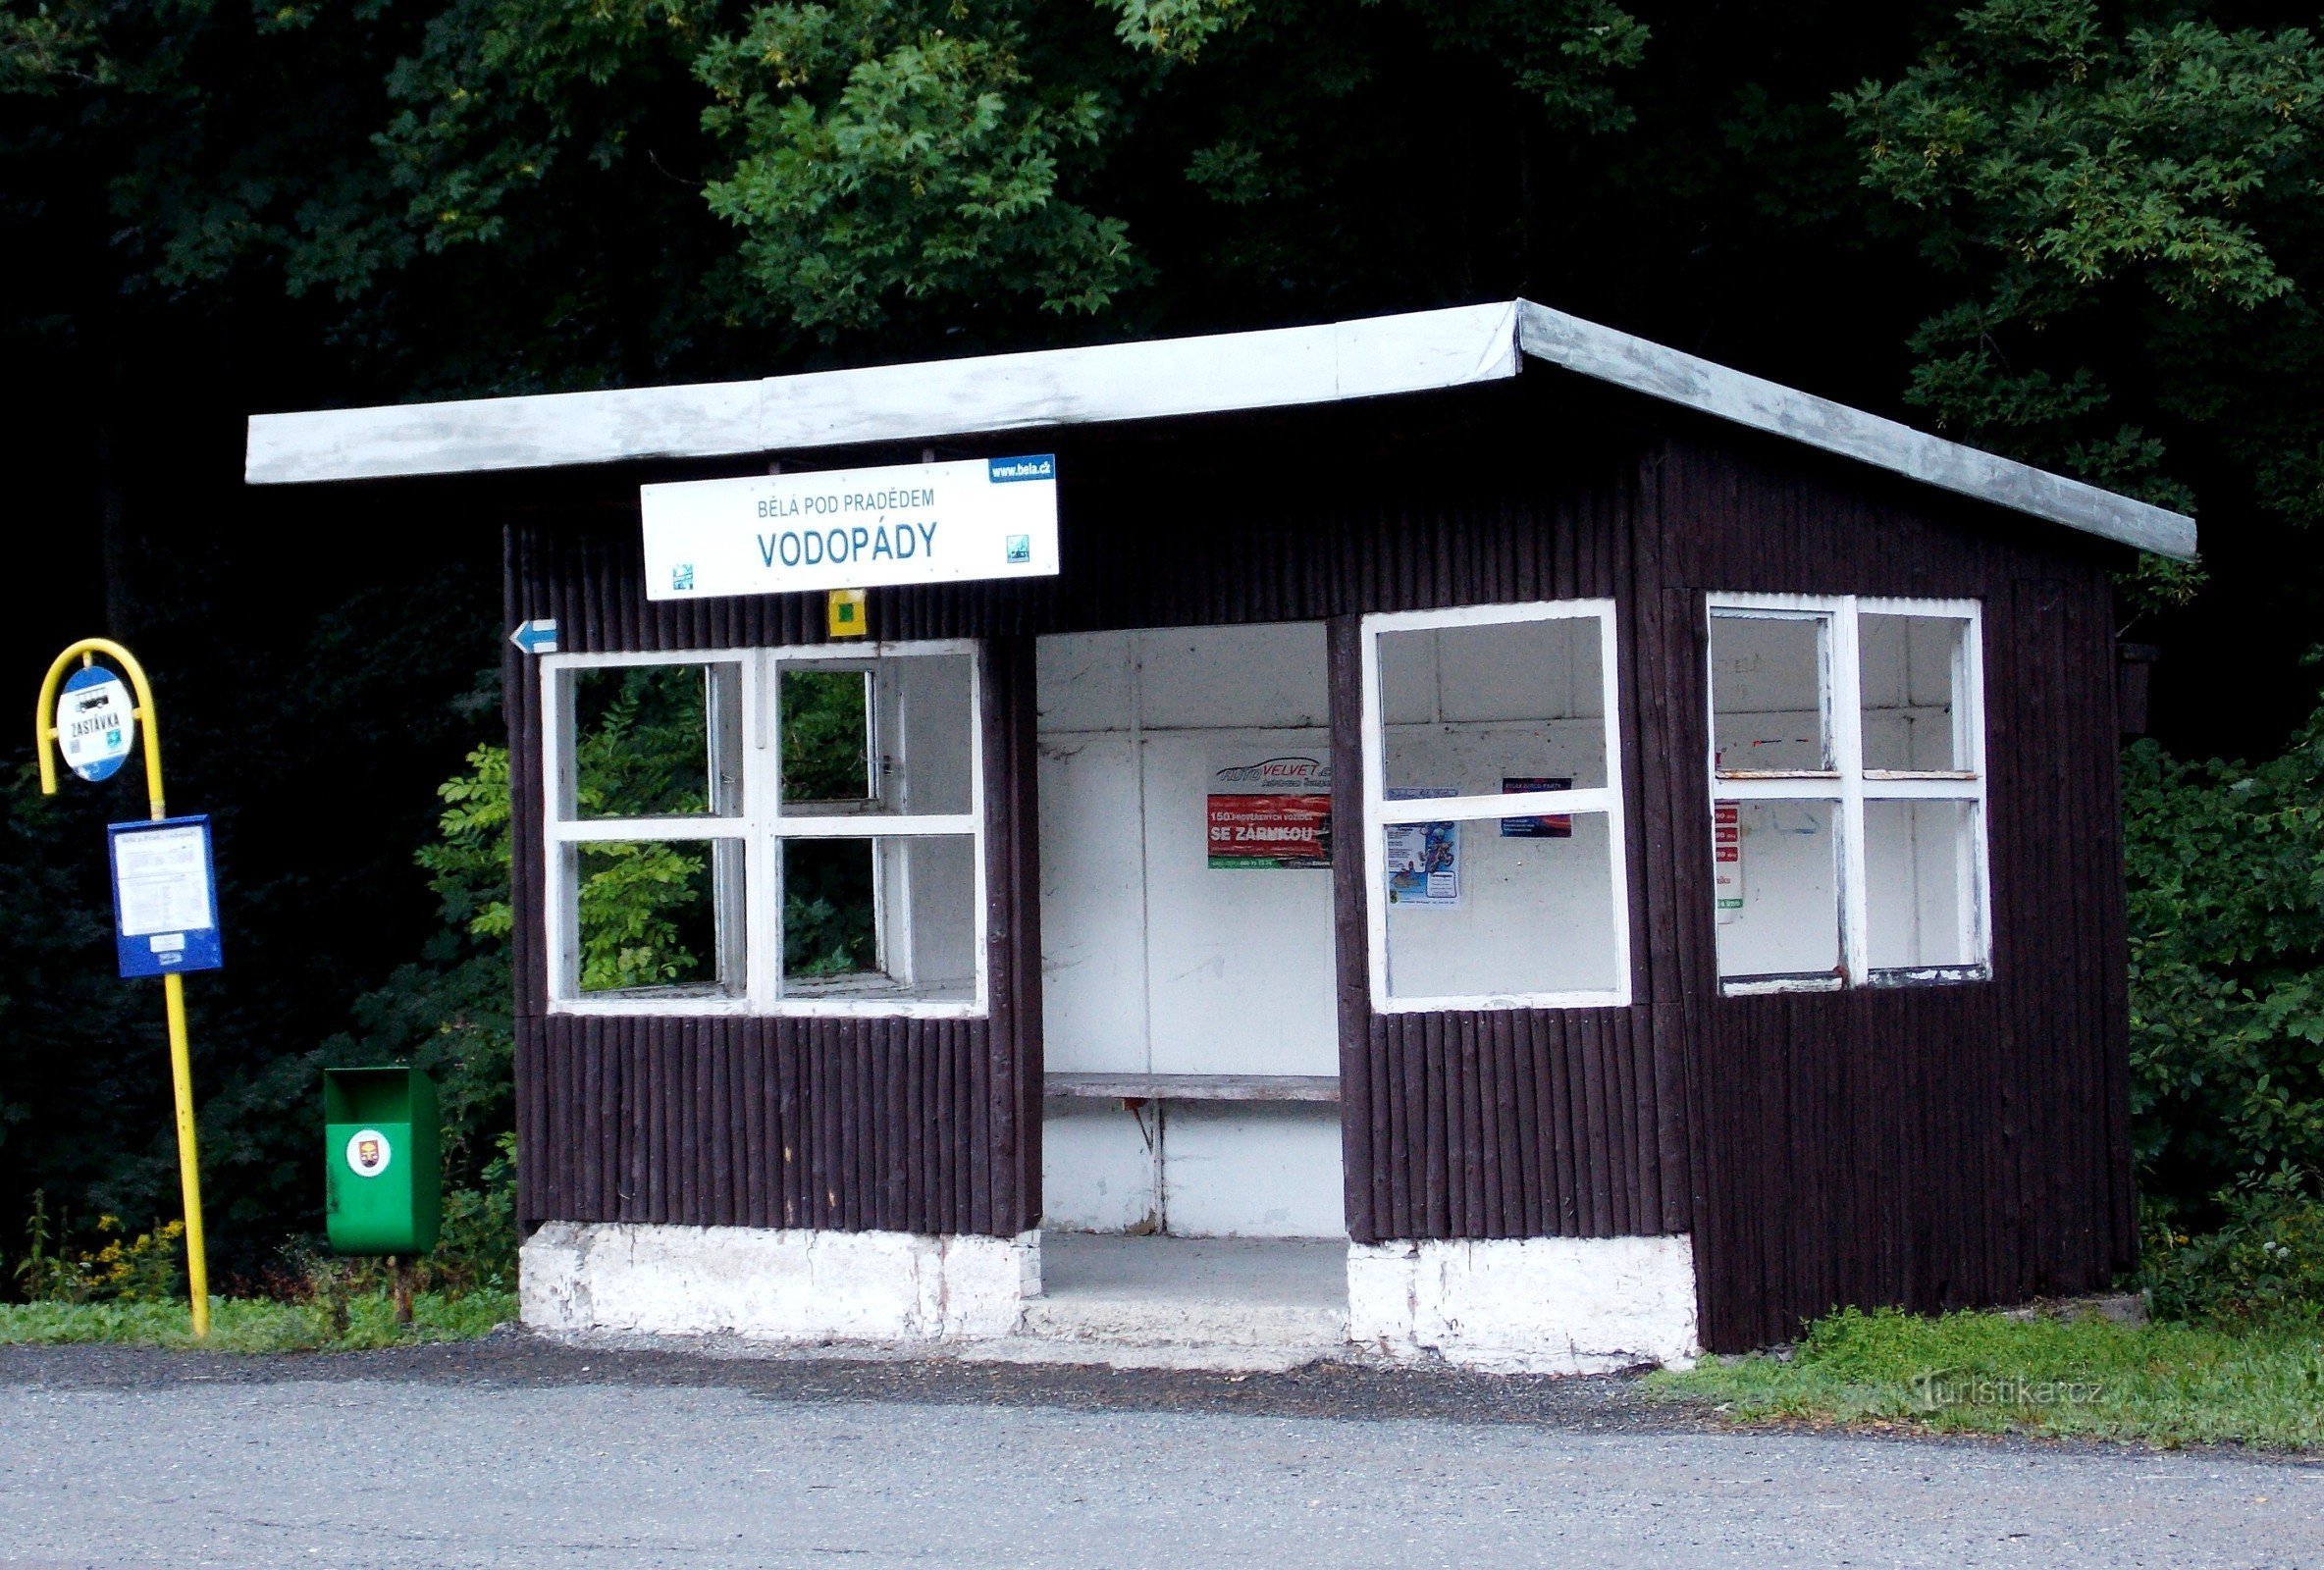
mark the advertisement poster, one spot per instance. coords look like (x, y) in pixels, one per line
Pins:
(1270, 811)
(1726, 859)
(1423, 859)
(1546, 825)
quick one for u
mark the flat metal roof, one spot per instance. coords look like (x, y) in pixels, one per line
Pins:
(1377, 356)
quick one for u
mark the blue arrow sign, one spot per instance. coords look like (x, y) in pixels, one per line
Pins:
(536, 637)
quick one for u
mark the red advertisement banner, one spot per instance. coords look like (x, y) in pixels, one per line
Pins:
(1274, 830)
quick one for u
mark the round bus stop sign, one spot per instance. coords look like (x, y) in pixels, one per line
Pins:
(94, 722)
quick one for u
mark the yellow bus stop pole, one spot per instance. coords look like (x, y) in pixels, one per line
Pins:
(173, 987)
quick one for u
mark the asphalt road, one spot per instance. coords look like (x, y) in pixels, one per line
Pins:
(516, 1453)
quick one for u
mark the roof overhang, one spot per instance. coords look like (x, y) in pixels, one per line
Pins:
(1420, 351)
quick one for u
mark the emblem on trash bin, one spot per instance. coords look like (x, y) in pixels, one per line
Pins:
(368, 1152)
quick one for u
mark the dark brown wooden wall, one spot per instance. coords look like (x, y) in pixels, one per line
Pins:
(925, 1126)
(1930, 1146)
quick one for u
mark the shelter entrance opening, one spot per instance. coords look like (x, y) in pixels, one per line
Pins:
(1189, 1019)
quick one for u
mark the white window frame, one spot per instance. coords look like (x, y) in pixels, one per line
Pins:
(1850, 785)
(762, 828)
(1380, 812)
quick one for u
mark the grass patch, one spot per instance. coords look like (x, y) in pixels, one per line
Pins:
(258, 1324)
(2164, 1385)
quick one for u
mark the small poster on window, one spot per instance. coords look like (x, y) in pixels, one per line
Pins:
(1726, 860)
(1543, 825)
(1270, 811)
(1423, 859)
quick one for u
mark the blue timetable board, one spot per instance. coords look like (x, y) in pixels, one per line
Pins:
(164, 897)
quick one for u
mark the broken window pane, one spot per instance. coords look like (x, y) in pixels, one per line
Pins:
(656, 741)
(1918, 861)
(1779, 895)
(659, 917)
(891, 918)
(827, 731)
(1911, 666)
(889, 736)
(1768, 687)
(1503, 705)
(1494, 908)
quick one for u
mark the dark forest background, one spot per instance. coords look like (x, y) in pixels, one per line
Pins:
(2088, 236)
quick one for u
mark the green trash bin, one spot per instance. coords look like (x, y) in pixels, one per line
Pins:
(383, 1175)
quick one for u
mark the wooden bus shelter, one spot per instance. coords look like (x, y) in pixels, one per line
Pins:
(1630, 848)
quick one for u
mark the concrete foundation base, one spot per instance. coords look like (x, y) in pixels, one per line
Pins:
(1220, 1302)
(1553, 1306)
(775, 1286)
(1539, 1305)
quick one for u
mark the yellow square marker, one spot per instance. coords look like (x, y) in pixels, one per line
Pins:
(847, 613)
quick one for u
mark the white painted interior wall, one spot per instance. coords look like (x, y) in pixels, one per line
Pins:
(1466, 708)
(1918, 859)
(1154, 963)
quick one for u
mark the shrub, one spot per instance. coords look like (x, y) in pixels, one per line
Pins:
(2226, 883)
(150, 1267)
(2264, 1265)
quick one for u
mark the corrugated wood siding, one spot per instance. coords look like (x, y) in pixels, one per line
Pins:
(1934, 1146)
(891, 1124)
(1930, 1146)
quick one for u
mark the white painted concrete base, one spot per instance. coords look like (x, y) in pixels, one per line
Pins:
(1554, 1305)
(1539, 1305)
(775, 1286)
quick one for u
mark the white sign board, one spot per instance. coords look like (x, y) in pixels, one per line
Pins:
(94, 722)
(162, 881)
(851, 528)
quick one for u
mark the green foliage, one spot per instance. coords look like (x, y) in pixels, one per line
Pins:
(645, 905)
(827, 757)
(826, 736)
(887, 150)
(827, 907)
(2128, 193)
(476, 1251)
(642, 742)
(467, 863)
(2163, 1384)
(242, 1325)
(2226, 914)
(2266, 1264)
(150, 1267)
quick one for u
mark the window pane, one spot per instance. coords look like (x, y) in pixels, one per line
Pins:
(1514, 704)
(656, 741)
(1919, 875)
(893, 736)
(827, 728)
(1779, 893)
(893, 917)
(1474, 911)
(1910, 666)
(1767, 694)
(660, 917)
